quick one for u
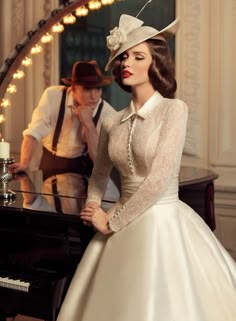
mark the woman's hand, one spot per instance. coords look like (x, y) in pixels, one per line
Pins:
(95, 216)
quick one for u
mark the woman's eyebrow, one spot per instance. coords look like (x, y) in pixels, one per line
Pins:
(139, 52)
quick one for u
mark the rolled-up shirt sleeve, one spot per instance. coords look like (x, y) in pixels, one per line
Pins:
(42, 117)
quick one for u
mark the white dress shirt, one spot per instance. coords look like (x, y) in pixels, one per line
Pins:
(44, 119)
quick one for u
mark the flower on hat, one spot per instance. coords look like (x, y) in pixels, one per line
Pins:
(118, 35)
(116, 39)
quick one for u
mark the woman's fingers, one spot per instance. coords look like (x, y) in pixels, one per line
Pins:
(97, 218)
(86, 215)
(87, 210)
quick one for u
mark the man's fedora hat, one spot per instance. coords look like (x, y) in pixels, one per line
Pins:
(131, 32)
(87, 74)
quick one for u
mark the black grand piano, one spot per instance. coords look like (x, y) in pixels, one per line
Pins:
(42, 238)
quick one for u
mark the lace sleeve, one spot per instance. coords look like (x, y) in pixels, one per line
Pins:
(102, 167)
(166, 162)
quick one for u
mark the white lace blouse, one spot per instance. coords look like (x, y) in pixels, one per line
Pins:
(149, 144)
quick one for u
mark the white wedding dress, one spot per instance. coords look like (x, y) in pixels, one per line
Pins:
(162, 263)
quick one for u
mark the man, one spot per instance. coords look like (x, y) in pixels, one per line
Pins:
(67, 121)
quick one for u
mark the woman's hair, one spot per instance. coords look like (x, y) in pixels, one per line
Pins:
(161, 71)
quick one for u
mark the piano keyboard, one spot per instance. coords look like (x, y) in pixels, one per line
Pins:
(19, 285)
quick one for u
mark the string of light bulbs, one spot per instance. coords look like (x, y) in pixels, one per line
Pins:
(58, 27)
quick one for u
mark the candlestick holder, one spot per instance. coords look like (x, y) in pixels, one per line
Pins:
(5, 177)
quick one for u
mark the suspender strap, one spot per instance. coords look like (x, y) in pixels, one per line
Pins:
(95, 121)
(98, 113)
(55, 193)
(61, 117)
(59, 121)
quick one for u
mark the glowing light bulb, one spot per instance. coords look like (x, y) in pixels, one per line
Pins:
(27, 62)
(81, 11)
(2, 118)
(58, 27)
(5, 103)
(94, 5)
(19, 74)
(46, 38)
(11, 89)
(107, 2)
(69, 19)
(36, 49)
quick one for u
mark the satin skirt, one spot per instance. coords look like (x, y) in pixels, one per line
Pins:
(166, 265)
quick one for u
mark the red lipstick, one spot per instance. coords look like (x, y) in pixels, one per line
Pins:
(126, 73)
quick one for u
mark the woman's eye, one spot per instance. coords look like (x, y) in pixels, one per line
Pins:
(139, 58)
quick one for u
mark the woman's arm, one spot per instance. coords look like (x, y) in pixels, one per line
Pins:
(166, 161)
(102, 167)
(92, 214)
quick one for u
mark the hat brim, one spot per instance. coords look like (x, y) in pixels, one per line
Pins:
(142, 34)
(107, 80)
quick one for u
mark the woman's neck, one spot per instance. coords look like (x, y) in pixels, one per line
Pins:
(141, 95)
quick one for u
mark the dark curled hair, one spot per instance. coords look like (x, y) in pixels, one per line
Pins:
(161, 71)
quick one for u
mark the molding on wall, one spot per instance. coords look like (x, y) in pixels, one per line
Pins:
(47, 8)
(234, 10)
(188, 68)
(51, 52)
(26, 14)
(14, 12)
(223, 84)
(222, 88)
(226, 181)
(225, 208)
(18, 16)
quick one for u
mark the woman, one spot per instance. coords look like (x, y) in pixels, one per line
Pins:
(153, 258)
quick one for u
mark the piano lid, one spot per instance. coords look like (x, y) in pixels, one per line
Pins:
(62, 193)
(66, 193)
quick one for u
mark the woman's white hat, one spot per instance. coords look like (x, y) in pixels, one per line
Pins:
(131, 32)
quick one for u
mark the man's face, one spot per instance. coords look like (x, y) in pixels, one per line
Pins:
(86, 96)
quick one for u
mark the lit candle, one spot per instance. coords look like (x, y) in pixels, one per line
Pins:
(4, 149)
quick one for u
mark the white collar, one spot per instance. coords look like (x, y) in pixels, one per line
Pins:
(147, 108)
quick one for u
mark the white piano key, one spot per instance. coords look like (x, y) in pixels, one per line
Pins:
(14, 284)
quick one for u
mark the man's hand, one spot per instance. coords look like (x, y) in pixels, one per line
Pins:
(17, 167)
(85, 115)
(88, 130)
(28, 147)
